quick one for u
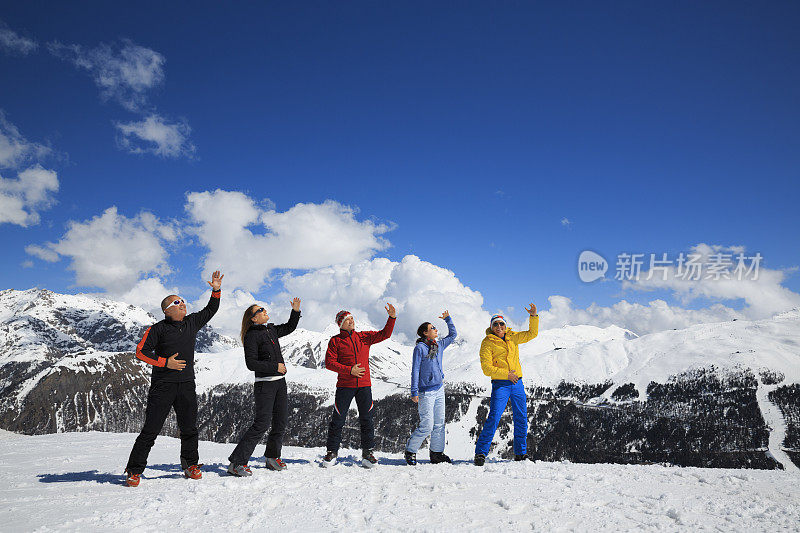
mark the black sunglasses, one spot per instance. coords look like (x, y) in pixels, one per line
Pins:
(259, 310)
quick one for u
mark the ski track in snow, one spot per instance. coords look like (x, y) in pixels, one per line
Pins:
(777, 425)
(72, 481)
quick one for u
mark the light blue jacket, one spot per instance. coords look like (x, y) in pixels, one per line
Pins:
(426, 372)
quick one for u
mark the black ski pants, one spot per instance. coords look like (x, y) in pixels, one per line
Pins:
(162, 397)
(341, 404)
(271, 412)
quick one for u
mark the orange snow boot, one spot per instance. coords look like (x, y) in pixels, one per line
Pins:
(193, 472)
(131, 479)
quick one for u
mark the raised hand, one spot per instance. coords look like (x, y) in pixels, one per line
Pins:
(390, 309)
(176, 364)
(216, 280)
(296, 304)
(281, 368)
(445, 314)
(532, 310)
(357, 370)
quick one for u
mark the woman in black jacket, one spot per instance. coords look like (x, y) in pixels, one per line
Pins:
(262, 354)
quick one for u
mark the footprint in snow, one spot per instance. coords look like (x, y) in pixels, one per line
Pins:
(674, 514)
(513, 509)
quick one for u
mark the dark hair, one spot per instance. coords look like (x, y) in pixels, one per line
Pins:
(247, 320)
(421, 332)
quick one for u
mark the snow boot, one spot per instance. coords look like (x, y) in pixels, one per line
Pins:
(522, 457)
(329, 459)
(239, 470)
(479, 459)
(439, 457)
(193, 472)
(411, 458)
(131, 479)
(275, 463)
(368, 459)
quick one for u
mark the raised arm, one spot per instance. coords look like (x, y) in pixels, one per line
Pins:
(533, 327)
(294, 318)
(374, 337)
(202, 317)
(451, 330)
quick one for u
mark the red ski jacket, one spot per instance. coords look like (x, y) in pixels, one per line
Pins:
(348, 348)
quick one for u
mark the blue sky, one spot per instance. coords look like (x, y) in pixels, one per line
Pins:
(474, 130)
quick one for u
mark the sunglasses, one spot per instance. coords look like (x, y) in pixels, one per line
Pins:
(179, 301)
(259, 310)
(431, 327)
(498, 323)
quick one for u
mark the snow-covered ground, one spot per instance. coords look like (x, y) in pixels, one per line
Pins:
(72, 482)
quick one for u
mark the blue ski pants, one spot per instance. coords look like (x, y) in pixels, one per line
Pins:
(502, 390)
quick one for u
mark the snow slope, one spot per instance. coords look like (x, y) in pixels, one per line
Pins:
(595, 355)
(72, 482)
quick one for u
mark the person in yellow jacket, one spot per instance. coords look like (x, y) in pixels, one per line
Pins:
(500, 361)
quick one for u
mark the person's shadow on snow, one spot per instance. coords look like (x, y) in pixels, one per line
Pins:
(170, 471)
(297, 461)
(392, 461)
(75, 477)
(175, 470)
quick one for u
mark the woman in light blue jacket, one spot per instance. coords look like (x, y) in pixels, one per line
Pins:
(427, 390)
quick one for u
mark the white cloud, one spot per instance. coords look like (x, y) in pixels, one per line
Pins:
(763, 297)
(249, 241)
(16, 150)
(112, 251)
(126, 72)
(45, 254)
(228, 319)
(11, 41)
(22, 198)
(146, 293)
(154, 135)
(642, 319)
(566, 222)
(420, 290)
(123, 72)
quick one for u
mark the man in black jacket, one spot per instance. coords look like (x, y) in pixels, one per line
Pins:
(172, 380)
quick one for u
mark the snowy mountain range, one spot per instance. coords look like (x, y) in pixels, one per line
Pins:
(66, 364)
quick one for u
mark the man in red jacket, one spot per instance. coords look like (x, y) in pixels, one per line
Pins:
(348, 356)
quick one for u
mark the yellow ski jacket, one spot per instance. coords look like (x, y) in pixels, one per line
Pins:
(500, 356)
